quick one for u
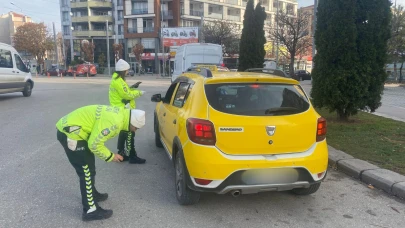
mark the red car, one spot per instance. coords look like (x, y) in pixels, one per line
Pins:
(82, 69)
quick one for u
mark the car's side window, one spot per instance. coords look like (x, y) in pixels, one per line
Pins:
(169, 93)
(20, 64)
(181, 94)
(6, 59)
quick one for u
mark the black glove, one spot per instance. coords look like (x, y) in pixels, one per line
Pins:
(125, 101)
(136, 85)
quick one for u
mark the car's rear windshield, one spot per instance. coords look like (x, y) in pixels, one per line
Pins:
(257, 99)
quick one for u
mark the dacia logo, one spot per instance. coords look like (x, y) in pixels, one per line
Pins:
(270, 130)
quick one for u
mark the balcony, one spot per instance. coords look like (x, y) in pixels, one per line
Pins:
(196, 13)
(139, 11)
(215, 15)
(81, 4)
(232, 2)
(167, 14)
(234, 18)
(91, 33)
(244, 3)
(92, 19)
(148, 29)
(99, 4)
(132, 30)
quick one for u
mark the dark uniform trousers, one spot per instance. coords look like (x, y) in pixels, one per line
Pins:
(82, 160)
(127, 139)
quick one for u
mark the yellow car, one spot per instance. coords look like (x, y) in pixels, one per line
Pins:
(240, 133)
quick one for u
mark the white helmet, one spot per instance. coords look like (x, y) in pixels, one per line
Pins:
(122, 65)
(137, 118)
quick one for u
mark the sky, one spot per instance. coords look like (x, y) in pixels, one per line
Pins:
(47, 11)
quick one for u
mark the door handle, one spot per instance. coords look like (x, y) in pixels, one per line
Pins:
(174, 121)
(13, 71)
(164, 114)
(18, 72)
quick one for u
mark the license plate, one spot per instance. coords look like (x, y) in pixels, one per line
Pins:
(270, 176)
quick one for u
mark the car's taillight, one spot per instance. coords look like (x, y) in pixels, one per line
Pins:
(321, 129)
(201, 131)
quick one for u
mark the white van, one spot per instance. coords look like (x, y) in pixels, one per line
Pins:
(188, 55)
(14, 75)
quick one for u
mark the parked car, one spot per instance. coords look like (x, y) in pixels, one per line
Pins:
(82, 69)
(301, 75)
(249, 133)
(14, 74)
(54, 72)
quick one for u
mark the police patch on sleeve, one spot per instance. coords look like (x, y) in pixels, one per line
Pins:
(105, 132)
(125, 89)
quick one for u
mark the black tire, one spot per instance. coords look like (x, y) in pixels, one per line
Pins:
(184, 195)
(27, 89)
(307, 191)
(158, 143)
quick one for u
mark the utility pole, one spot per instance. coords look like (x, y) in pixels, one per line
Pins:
(277, 18)
(108, 47)
(56, 48)
(161, 35)
(200, 32)
(313, 32)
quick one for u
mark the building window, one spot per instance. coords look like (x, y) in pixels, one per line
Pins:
(66, 30)
(148, 25)
(120, 29)
(120, 15)
(65, 16)
(120, 3)
(139, 7)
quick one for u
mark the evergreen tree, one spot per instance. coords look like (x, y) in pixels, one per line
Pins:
(351, 37)
(260, 39)
(247, 41)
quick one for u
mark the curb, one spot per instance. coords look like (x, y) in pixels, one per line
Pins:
(386, 180)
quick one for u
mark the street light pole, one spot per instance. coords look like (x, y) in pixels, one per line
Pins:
(277, 16)
(108, 47)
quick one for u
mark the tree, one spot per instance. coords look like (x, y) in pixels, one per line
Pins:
(351, 39)
(88, 50)
(222, 33)
(35, 39)
(259, 17)
(247, 41)
(117, 51)
(396, 44)
(138, 51)
(292, 34)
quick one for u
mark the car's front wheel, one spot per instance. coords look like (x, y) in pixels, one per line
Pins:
(185, 196)
(307, 191)
(158, 142)
(27, 89)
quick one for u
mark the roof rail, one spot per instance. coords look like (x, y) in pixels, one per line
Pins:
(201, 70)
(268, 71)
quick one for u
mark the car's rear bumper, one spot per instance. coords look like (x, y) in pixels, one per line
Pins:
(227, 172)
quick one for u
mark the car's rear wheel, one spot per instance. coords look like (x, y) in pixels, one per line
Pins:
(158, 143)
(27, 89)
(185, 196)
(307, 191)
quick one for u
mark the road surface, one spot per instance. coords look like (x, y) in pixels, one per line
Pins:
(39, 188)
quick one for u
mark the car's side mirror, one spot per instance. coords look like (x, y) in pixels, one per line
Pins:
(156, 98)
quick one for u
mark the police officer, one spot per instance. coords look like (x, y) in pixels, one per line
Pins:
(82, 134)
(121, 95)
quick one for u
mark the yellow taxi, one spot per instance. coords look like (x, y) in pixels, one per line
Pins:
(240, 133)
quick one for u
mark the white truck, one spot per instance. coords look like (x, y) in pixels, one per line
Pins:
(188, 55)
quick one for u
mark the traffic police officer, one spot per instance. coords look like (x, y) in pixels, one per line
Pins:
(121, 95)
(82, 134)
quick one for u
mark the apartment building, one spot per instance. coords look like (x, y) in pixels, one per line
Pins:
(144, 18)
(9, 23)
(92, 20)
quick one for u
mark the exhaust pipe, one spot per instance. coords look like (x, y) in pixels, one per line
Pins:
(235, 193)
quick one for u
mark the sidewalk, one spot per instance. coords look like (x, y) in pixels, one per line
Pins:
(389, 181)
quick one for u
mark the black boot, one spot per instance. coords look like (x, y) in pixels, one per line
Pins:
(122, 153)
(98, 214)
(136, 160)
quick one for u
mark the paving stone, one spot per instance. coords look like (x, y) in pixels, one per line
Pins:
(382, 178)
(399, 189)
(354, 167)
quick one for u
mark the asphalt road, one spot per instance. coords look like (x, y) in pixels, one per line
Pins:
(39, 188)
(393, 101)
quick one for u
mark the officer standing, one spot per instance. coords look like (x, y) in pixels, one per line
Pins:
(82, 133)
(121, 95)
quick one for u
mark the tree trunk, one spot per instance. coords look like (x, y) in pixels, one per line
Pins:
(292, 66)
(342, 115)
(395, 71)
(400, 72)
